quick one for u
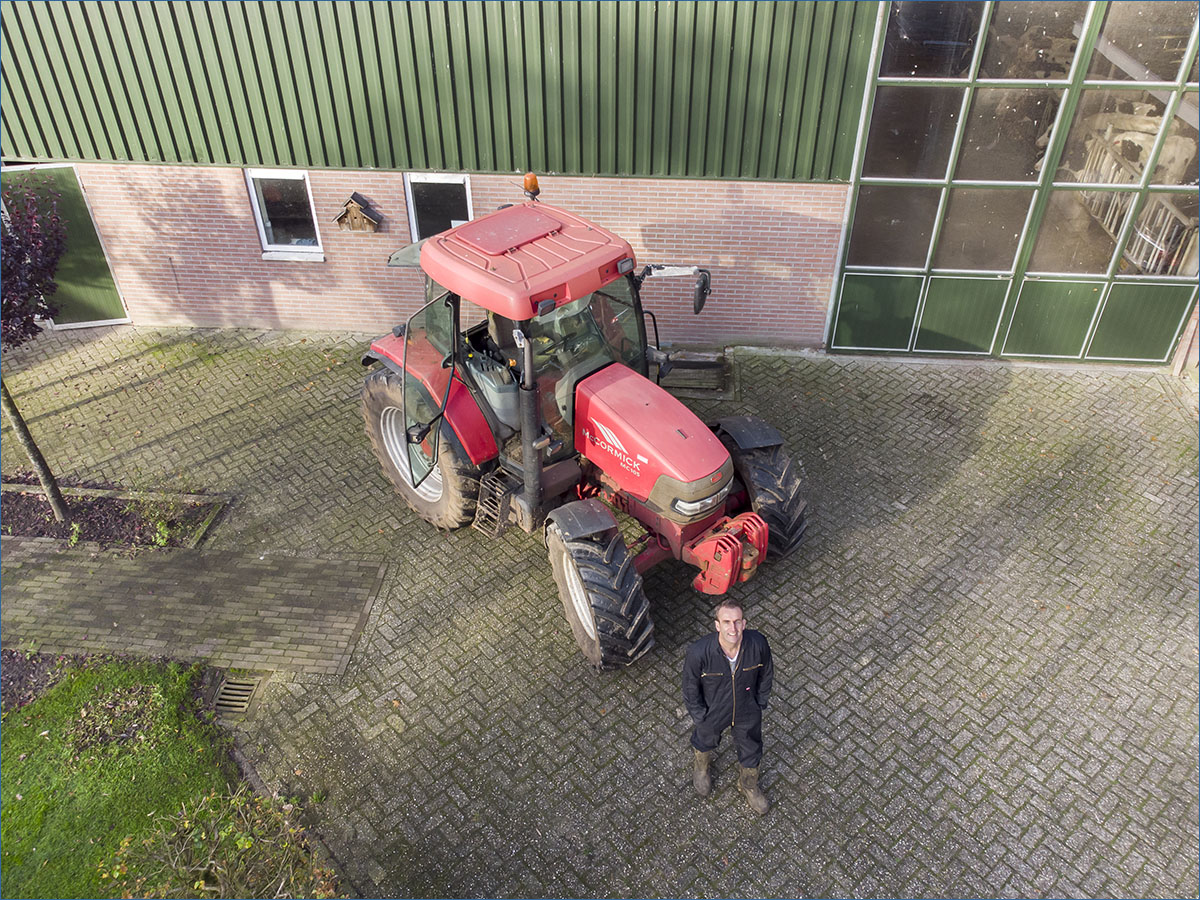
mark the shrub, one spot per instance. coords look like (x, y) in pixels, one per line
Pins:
(223, 845)
(32, 240)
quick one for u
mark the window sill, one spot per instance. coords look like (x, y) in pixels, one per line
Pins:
(295, 255)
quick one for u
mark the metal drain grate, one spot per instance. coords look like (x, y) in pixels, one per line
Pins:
(235, 693)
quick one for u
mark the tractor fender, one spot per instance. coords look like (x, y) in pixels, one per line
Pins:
(583, 518)
(462, 414)
(749, 432)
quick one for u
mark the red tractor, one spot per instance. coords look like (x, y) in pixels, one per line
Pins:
(540, 413)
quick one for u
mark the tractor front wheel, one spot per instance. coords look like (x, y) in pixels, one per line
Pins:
(602, 597)
(773, 489)
(447, 496)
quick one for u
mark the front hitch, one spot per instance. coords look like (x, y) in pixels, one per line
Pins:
(728, 553)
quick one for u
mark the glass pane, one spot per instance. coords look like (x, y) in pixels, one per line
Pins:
(578, 339)
(1031, 40)
(438, 205)
(1164, 238)
(1007, 133)
(428, 367)
(286, 214)
(892, 225)
(1143, 41)
(912, 132)
(930, 40)
(981, 229)
(616, 316)
(1077, 233)
(1177, 162)
(1111, 137)
(419, 411)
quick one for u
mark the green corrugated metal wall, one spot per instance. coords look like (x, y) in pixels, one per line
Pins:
(758, 90)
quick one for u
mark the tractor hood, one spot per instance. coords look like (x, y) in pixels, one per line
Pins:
(653, 446)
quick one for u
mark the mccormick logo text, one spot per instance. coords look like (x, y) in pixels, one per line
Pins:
(608, 440)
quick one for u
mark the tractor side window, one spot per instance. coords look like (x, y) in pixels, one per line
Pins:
(617, 316)
(438, 318)
(428, 368)
(470, 314)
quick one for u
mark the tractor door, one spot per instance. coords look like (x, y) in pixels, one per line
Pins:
(429, 338)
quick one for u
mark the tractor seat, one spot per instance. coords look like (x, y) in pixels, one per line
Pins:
(500, 331)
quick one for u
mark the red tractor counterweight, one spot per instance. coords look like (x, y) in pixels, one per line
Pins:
(544, 409)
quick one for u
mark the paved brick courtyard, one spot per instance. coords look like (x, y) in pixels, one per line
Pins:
(987, 649)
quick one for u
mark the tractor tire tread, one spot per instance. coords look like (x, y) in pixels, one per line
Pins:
(621, 611)
(773, 486)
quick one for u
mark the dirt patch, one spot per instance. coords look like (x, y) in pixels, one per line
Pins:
(26, 676)
(120, 717)
(104, 520)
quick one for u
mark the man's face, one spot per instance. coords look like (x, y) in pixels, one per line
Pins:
(730, 624)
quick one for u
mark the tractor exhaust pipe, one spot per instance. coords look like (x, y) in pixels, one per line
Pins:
(531, 452)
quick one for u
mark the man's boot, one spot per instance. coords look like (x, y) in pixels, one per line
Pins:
(700, 777)
(748, 785)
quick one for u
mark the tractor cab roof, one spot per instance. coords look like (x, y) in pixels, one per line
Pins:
(514, 260)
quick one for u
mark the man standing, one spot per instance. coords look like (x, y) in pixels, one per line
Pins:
(727, 680)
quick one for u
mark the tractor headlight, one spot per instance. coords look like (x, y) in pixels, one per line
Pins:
(696, 507)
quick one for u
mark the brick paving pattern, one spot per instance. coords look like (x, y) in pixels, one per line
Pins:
(987, 656)
(258, 612)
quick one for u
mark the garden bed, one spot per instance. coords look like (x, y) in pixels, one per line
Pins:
(109, 516)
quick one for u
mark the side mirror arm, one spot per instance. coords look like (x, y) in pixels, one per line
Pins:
(703, 281)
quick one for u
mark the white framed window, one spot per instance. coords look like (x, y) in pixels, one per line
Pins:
(284, 213)
(436, 202)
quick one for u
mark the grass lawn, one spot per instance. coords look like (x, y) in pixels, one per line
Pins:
(97, 758)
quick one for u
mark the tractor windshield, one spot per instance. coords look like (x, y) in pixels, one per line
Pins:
(578, 339)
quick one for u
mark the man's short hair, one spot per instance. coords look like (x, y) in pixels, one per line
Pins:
(729, 603)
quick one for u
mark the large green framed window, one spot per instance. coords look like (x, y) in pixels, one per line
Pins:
(87, 294)
(1034, 167)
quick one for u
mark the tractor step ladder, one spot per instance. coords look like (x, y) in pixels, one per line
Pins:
(492, 512)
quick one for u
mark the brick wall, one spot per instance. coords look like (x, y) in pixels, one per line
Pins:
(185, 251)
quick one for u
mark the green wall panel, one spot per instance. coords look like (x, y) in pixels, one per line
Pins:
(1140, 321)
(1052, 318)
(876, 312)
(960, 314)
(706, 89)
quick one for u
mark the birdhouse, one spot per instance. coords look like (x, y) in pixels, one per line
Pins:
(357, 215)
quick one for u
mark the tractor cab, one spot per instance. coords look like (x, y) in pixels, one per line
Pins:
(519, 394)
(530, 297)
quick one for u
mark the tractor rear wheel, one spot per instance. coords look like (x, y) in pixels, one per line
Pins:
(602, 597)
(447, 496)
(773, 488)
